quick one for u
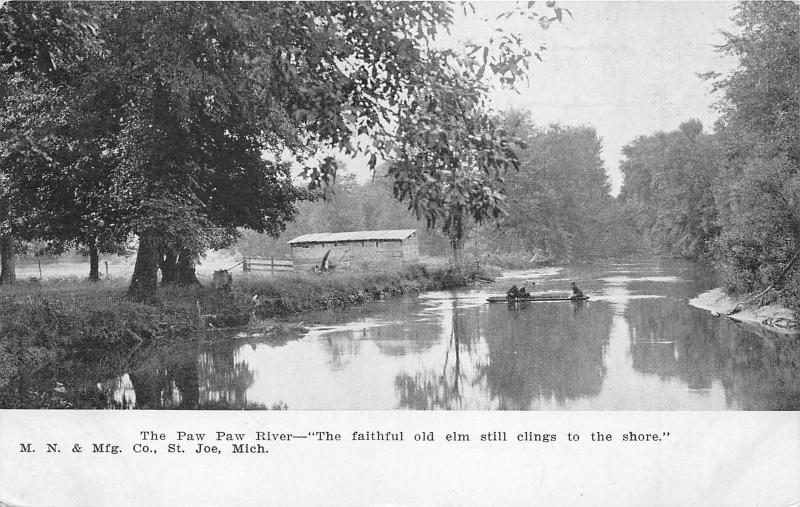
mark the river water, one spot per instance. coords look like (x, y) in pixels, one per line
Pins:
(635, 345)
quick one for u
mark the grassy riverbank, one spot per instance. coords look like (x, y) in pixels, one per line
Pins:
(47, 324)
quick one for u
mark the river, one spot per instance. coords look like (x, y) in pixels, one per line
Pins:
(635, 345)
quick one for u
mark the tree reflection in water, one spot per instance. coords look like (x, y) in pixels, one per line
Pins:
(763, 372)
(170, 384)
(546, 352)
(758, 369)
(532, 353)
(119, 392)
(211, 377)
(342, 348)
(428, 389)
(224, 378)
(670, 340)
(153, 377)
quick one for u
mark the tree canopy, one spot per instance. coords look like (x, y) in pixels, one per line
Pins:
(41, 47)
(180, 119)
(559, 202)
(668, 189)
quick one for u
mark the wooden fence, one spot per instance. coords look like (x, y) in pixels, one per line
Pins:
(271, 264)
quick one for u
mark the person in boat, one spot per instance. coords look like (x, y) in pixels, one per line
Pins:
(523, 291)
(513, 292)
(576, 292)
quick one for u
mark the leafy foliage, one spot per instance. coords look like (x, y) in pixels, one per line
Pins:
(668, 189)
(186, 111)
(758, 191)
(559, 203)
(42, 45)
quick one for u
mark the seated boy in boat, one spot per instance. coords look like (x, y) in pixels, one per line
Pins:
(576, 292)
(518, 293)
(513, 292)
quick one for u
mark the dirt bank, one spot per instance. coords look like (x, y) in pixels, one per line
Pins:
(774, 317)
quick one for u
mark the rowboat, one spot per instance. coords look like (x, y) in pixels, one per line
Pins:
(535, 299)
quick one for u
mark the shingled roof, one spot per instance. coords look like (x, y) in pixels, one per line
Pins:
(335, 237)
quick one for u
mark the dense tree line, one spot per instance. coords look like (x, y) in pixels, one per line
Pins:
(557, 206)
(668, 191)
(734, 196)
(559, 203)
(151, 120)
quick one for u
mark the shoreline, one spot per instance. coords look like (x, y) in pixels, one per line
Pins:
(45, 325)
(774, 317)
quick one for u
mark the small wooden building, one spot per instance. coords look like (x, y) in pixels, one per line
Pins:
(357, 250)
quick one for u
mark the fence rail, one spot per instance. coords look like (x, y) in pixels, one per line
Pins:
(269, 264)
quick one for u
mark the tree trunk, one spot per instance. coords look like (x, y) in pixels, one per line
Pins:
(147, 387)
(188, 383)
(457, 234)
(458, 250)
(187, 275)
(8, 274)
(145, 271)
(168, 262)
(94, 262)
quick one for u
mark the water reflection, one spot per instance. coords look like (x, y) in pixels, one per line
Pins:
(636, 345)
(223, 375)
(547, 354)
(429, 389)
(762, 370)
(119, 392)
(670, 341)
(209, 375)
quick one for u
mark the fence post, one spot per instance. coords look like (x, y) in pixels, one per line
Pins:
(244, 264)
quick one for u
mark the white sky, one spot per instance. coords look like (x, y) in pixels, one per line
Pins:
(626, 68)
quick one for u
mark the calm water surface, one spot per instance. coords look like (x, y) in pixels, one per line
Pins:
(635, 345)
